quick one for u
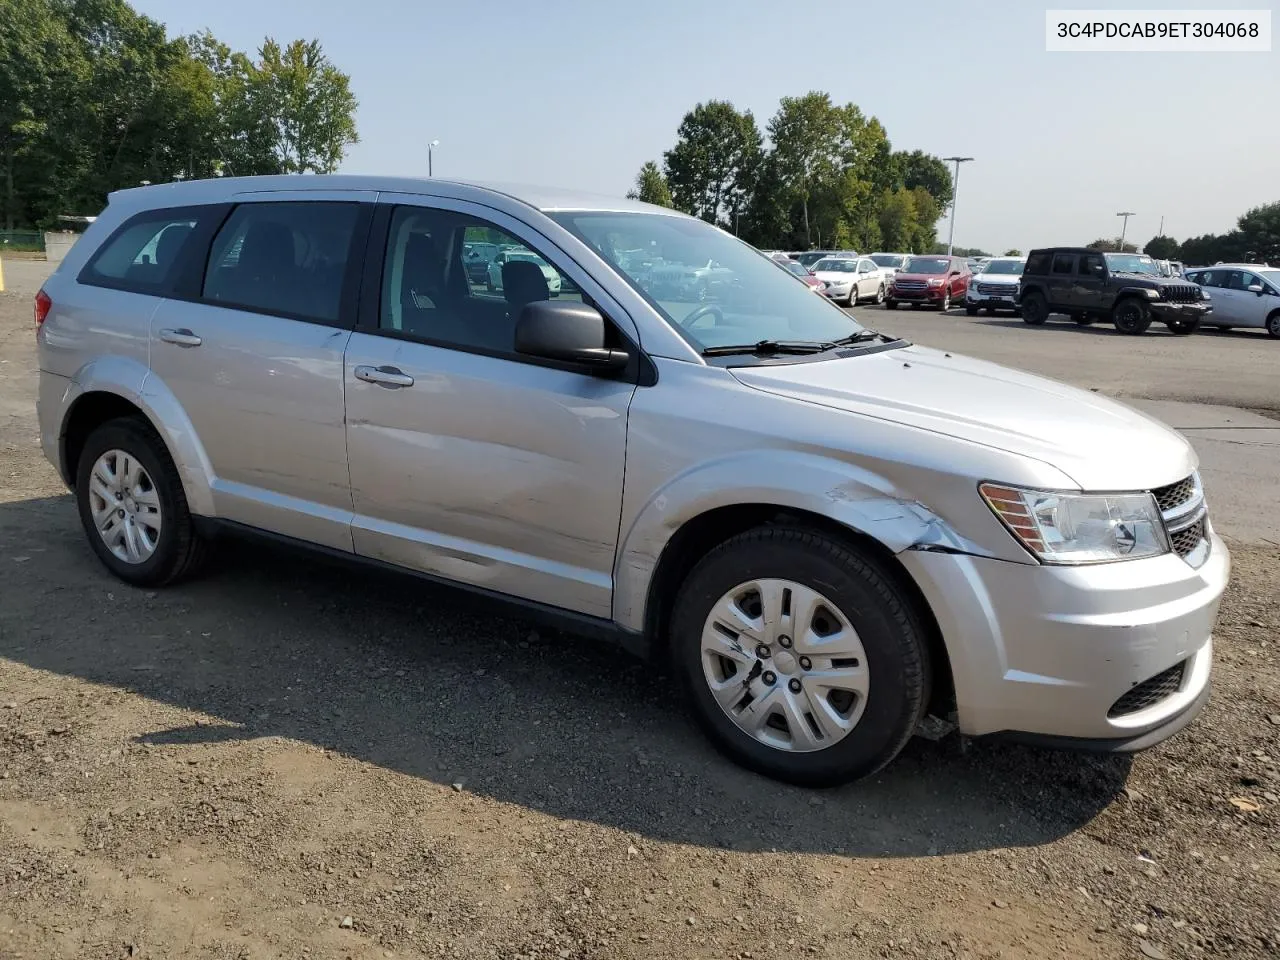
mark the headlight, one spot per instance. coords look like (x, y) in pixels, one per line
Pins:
(935, 283)
(1073, 528)
(1153, 294)
(1204, 294)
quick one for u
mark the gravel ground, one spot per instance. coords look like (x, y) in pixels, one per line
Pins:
(288, 758)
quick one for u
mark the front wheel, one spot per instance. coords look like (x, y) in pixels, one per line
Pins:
(1131, 316)
(133, 507)
(880, 294)
(946, 302)
(1035, 309)
(801, 658)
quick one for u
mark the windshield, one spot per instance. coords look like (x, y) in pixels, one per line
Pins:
(836, 266)
(1271, 276)
(1132, 263)
(1004, 266)
(745, 300)
(927, 265)
(887, 260)
(795, 268)
(809, 259)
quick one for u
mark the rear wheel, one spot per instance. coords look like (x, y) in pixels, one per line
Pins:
(1131, 316)
(1273, 324)
(133, 507)
(801, 658)
(1035, 309)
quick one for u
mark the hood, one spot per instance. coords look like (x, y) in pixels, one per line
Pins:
(1099, 443)
(1140, 279)
(919, 276)
(834, 276)
(1013, 279)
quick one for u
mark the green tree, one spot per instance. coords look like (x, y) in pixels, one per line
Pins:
(1259, 231)
(651, 186)
(920, 169)
(712, 167)
(309, 103)
(1112, 246)
(1162, 248)
(1013, 252)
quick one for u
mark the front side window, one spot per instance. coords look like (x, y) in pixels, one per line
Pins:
(1239, 280)
(715, 289)
(144, 255)
(283, 258)
(1091, 265)
(1064, 263)
(435, 290)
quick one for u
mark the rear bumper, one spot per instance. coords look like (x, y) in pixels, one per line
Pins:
(1044, 653)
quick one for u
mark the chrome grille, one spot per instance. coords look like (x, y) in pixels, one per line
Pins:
(910, 284)
(1150, 692)
(1175, 494)
(1180, 293)
(998, 289)
(1187, 539)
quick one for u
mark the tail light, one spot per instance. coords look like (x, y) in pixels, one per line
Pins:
(43, 303)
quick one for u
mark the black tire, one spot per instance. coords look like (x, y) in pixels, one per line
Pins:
(1183, 328)
(1083, 319)
(887, 625)
(880, 294)
(971, 311)
(1035, 309)
(1273, 324)
(1131, 316)
(891, 304)
(179, 549)
(945, 305)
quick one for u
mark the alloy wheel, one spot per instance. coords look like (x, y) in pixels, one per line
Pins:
(125, 506)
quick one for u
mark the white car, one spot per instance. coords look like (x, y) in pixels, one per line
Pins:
(850, 279)
(1244, 295)
(890, 263)
(548, 271)
(995, 286)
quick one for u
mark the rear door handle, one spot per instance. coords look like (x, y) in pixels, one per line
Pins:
(182, 337)
(391, 377)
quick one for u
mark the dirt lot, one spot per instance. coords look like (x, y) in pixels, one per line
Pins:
(290, 759)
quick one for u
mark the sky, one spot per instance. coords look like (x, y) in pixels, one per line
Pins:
(580, 93)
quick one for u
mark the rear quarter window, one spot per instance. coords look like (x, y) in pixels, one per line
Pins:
(146, 252)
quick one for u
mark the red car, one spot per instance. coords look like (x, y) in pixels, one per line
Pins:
(935, 281)
(801, 271)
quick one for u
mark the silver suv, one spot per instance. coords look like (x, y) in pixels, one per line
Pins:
(835, 538)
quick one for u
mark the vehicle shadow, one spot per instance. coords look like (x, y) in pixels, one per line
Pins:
(383, 668)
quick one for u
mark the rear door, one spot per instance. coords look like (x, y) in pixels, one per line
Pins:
(254, 355)
(1061, 281)
(1090, 282)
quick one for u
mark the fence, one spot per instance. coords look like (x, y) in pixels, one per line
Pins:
(21, 241)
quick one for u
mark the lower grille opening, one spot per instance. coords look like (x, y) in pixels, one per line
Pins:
(1149, 692)
(1184, 541)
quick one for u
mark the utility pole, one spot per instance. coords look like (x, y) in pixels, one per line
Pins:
(955, 195)
(1160, 232)
(1124, 226)
(430, 148)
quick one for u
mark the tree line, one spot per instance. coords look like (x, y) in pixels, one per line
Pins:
(95, 97)
(1255, 239)
(821, 174)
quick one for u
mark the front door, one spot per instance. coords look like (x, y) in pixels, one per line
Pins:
(469, 461)
(255, 359)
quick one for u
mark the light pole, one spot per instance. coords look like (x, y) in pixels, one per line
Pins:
(1124, 226)
(431, 147)
(955, 193)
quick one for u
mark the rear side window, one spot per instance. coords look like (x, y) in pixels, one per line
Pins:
(1064, 263)
(289, 259)
(144, 254)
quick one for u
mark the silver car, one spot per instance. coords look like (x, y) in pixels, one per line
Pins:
(1244, 295)
(834, 537)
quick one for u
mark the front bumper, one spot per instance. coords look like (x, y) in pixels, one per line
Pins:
(837, 293)
(1163, 310)
(928, 295)
(992, 301)
(1044, 653)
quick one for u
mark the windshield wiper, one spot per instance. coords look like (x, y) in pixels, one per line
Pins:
(769, 347)
(862, 336)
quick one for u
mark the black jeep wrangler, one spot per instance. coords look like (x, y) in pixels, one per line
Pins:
(1125, 288)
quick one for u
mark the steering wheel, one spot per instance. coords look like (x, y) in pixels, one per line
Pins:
(701, 312)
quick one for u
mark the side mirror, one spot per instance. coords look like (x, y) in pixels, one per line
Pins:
(567, 331)
(1255, 288)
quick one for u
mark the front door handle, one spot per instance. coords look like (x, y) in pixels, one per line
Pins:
(182, 337)
(392, 378)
